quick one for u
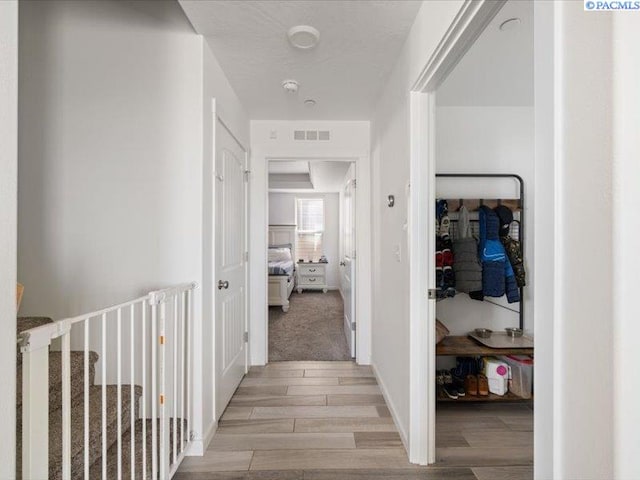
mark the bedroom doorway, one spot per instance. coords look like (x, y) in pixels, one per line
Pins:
(311, 261)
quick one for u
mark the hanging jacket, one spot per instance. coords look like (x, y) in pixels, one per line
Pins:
(466, 265)
(497, 274)
(514, 253)
(512, 247)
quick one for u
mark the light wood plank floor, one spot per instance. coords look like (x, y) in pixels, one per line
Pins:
(329, 420)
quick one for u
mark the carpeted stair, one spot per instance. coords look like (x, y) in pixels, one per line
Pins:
(77, 418)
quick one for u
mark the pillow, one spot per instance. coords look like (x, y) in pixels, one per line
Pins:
(279, 254)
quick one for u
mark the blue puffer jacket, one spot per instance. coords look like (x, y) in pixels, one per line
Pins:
(497, 274)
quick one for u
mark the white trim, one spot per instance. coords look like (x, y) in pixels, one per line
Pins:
(392, 408)
(422, 277)
(467, 26)
(259, 340)
(199, 446)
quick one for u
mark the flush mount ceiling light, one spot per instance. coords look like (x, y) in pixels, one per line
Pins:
(290, 86)
(303, 37)
(310, 103)
(510, 24)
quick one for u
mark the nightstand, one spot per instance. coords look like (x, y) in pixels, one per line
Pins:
(312, 276)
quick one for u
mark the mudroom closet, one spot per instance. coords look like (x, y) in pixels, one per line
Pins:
(485, 190)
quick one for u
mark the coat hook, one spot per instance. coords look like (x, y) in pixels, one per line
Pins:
(391, 201)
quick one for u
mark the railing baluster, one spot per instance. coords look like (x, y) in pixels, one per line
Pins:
(132, 416)
(87, 466)
(164, 431)
(143, 399)
(154, 390)
(119, 387)
(66, 405)
(189, 385)
(182, 368)
(104, 396)
(174, 400)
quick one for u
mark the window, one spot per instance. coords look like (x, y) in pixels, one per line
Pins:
(310, 215)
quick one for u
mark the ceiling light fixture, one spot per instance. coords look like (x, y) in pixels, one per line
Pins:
(510, 24)
(310, 102)
(303, 37)
(290, 86)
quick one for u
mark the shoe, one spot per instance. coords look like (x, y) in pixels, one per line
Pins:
(483, 385)
(446, 258)
(448, 379)
(439, 377)
(439, 277)
(450, 391)
(459, 384)
(471, 385)
(442, 208)
(448, 277)
(445, 224)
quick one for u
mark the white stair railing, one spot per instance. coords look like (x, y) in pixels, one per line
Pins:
(154, 352)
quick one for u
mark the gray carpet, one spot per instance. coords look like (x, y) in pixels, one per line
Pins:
(310, 330)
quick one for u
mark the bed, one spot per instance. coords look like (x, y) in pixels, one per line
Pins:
(281, 265)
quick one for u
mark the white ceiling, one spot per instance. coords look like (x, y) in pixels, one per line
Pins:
(359, 44)
(498, 69)
(325, 176)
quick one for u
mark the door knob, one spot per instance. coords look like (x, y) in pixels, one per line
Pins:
(223, 284)
(342, 264)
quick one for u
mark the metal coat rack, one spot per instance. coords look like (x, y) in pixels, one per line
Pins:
(517, 205)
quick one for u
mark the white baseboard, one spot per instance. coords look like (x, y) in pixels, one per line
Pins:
(392, 408)
(200, 445)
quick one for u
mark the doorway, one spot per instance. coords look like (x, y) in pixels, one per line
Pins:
(311, 262)
(432, 152)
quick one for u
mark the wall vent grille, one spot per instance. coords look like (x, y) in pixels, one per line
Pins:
(312, 135)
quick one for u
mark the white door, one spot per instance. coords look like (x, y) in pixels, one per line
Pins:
(230, 266)
(348, 264)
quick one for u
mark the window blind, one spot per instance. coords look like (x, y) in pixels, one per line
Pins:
(310, 216)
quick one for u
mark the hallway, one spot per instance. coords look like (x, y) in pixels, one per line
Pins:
(327, 420)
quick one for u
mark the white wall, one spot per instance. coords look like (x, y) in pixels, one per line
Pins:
(282, 211)
(390, 174)
(583, 357)
(626, 263)
(349, 140)
(8, 229)
(487, 140)
(113, 130)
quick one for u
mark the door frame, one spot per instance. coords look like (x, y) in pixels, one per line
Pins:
(466, 27)
(363, 249)
(216, 118)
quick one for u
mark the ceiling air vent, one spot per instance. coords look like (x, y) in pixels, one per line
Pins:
(312, 135)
